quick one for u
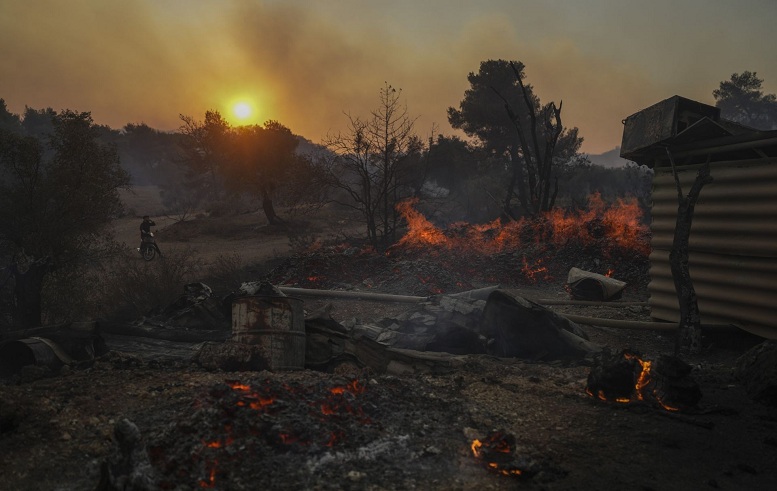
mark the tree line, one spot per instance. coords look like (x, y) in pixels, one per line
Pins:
(60, 172)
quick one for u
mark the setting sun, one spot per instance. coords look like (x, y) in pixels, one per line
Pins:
(242, 110)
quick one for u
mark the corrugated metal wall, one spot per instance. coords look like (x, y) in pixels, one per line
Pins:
(733, 245)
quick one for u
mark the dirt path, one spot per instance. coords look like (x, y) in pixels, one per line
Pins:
(248, 235)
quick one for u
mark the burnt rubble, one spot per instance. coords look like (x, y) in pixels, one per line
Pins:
(267, 431)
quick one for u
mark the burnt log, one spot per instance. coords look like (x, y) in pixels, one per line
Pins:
(628, 377)
(757, 370)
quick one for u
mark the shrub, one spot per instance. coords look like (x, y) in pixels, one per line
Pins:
(131, 287)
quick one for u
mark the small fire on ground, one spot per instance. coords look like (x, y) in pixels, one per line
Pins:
(497, 453)
(628, 377)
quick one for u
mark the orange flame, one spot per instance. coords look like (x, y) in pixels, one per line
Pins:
(495, 443)
(476, 444)
(642, 387)
(210, 482)
(620, 222)
(234, 385)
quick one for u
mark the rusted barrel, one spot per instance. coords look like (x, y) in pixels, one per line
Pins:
(274, 326)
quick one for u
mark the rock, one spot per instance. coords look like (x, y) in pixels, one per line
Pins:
(128, 468)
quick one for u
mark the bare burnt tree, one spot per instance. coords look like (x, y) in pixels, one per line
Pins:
(370, 165)
(689, 333)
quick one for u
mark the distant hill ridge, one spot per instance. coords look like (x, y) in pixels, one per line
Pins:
(610, 158)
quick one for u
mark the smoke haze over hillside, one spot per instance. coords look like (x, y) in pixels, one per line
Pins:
(305, 63)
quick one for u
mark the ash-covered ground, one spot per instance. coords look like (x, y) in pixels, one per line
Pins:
(361, 430)
(144, 416)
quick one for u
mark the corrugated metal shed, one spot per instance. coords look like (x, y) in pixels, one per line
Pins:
(733, 242)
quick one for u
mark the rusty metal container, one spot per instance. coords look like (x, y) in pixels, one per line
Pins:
(274, 326)
(660, 122)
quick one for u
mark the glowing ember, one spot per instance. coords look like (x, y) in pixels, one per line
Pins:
(354, 387)
(238, 386)
(496, 453)
(628, 378)
(331, 407)
(644, 384)
(536, 271)
(210, 482)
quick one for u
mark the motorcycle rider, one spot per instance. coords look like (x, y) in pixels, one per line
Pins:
(145, 231)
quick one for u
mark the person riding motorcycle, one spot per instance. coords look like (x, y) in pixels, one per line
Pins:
(145, 233)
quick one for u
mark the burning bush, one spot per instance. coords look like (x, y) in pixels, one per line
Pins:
(607, 238)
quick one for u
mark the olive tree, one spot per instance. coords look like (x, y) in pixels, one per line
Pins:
(263, 161)
(507, 118)
(58, 195)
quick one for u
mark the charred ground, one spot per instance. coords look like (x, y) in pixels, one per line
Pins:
(381, 431)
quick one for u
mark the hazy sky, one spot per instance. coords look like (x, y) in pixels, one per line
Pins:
(305, 63)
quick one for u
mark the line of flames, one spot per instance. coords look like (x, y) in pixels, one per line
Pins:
(621, 223)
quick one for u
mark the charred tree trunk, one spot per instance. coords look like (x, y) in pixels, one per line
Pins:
(516, 179)
(28, 292)
(689, 333)
(534, 192)
(269, 208)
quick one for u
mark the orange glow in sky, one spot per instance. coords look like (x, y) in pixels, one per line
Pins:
(148, 61)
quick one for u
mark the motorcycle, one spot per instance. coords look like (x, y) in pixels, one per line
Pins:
(148, 248)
